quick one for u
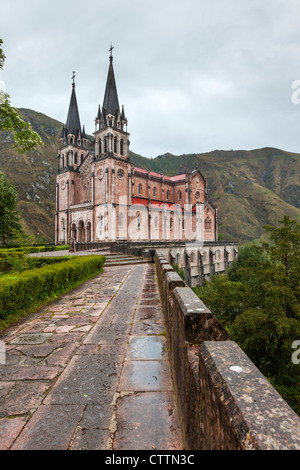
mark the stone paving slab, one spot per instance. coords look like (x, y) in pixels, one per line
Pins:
(39, 350)
(50, 428)
(145, 411)
(76, 366)
(153, 376)
(147, 421)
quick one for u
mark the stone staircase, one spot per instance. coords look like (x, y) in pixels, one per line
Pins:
(120, 259)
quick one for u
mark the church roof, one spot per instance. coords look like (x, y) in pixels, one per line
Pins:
(73, 121)
(159, 175)
(156, 204)
(111, 102)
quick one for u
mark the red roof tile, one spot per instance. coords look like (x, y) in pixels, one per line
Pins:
(159, 175)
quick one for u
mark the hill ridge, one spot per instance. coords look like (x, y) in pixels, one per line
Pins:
(251, 188)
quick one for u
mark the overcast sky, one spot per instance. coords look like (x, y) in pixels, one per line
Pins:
(193, 75)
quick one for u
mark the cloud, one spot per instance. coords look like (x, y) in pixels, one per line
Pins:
(193, 75)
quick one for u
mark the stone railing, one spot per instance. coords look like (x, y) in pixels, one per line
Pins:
(224, 402)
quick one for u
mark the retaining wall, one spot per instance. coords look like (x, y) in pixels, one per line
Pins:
(224, 402)
(199, 260)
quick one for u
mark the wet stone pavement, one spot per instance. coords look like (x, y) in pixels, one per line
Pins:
(90, 371)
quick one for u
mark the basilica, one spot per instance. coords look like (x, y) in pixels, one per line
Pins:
(102, 196)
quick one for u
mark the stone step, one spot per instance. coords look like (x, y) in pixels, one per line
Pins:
(120, 255)
(123, 262)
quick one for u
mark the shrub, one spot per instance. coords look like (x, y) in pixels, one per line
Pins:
(180, 271)
(20, 291)
(39, 262)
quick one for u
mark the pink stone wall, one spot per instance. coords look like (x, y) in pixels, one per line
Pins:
(93, 204)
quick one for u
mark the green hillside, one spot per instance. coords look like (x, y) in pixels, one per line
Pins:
(34, 174)
(250, 188)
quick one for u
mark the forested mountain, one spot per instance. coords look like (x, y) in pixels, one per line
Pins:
(250, 188)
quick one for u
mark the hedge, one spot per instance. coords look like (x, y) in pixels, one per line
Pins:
(21, 291)
(39, 262)
(33, 249)
(32, 262)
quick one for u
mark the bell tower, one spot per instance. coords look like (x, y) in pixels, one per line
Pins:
(111, 136)
(73, 140)
(71, 154)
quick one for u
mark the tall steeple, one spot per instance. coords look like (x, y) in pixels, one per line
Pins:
(111, 136)
(73, 139)
(111, 102)
(73, 120)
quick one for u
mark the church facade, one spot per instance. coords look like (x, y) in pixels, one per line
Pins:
(102, 196)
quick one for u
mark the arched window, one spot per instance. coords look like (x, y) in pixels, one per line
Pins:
(63, 161)
(81, 231)
(207, 223)
(154, 192)
(121, 147)
(75, 158)
(88, 232)
(73, 231)
(180, 195)
(168, 194)
(100, 146)
(140, 189)
(105, 145)
(115, 145)
(171, 223)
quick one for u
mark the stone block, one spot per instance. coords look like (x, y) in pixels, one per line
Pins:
(174, 280)
(200, 324)
(241, 409)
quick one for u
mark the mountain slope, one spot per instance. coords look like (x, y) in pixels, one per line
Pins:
(250, 188)
(34, 174)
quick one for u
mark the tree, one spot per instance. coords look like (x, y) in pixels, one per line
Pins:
(258, 300)
(284, 251)
(224, 297)
(9, 219)
(11, 121)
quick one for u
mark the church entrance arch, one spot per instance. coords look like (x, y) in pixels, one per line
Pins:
(88, 232)
(81, 231)
(74, 232)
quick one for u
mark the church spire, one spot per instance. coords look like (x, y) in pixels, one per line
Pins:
(111, 102)
(73, 120)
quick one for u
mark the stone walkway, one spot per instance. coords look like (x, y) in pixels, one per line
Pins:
(90, 371)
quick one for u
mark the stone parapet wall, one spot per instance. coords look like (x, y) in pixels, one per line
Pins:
(199, 261)
(224, 402)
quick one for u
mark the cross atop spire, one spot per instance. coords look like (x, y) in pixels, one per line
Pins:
(73, 78)
(110, 50)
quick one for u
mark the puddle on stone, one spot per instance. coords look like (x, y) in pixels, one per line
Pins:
(146, 348)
